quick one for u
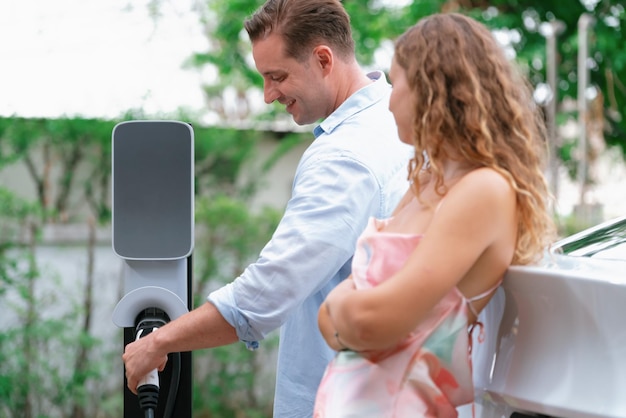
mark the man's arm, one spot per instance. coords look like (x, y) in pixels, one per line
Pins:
(322, 220)
(204, 327)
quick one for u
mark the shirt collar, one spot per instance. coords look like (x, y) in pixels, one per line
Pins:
(361, 99)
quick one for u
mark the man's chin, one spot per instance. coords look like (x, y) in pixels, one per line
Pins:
(301, 121)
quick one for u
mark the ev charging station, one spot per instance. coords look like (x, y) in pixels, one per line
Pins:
(153, 234)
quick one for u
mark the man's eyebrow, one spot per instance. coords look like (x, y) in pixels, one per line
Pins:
(273, 72)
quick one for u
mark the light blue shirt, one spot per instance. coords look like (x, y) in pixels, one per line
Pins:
(355, 168)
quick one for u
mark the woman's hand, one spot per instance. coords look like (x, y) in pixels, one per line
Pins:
(324, 316)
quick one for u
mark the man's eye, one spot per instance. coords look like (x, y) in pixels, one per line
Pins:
(277, 78)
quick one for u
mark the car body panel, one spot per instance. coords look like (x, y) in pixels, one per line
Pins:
(554, 334)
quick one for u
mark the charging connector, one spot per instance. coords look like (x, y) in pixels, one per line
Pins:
(148, 321)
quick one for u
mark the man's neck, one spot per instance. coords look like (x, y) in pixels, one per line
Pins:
(351, 78)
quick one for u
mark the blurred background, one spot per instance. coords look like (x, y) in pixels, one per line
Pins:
(72, 69)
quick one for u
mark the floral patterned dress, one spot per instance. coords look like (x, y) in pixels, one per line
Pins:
(427, 375)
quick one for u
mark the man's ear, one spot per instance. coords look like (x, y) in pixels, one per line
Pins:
(324, 57)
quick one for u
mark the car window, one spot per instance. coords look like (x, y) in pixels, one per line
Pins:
(607, 241)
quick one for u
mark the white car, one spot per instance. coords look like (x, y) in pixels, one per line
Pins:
(555, 334)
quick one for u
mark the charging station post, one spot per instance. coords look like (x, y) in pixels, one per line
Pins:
(153, 234)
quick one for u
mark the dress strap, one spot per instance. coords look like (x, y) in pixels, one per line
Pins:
(480, 296)
(485, 293)
(477, 323)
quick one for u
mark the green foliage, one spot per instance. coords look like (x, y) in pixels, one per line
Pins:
(376, 24)
(227, 379)
(230, 382)
(14, 209)
(34, 352)
(14, 213)
(79, 150)
(287, 143)
(44, 145)
(34, 347)
(232, 238)
(573, 223)
(606, 60)
(230, 234)
(220, 154)
(230, 48)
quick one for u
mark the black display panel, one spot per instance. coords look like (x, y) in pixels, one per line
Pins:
(153, 190)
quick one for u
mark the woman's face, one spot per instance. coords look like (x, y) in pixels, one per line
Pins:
(402, 103)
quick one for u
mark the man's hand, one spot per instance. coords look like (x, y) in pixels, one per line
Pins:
(140, 357)
(204, 327)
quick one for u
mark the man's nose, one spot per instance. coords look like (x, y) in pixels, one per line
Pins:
(270, 93)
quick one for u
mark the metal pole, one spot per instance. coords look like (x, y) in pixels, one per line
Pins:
(550, 31)
(584, 22)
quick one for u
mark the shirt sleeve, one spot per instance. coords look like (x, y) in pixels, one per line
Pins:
(331, 202)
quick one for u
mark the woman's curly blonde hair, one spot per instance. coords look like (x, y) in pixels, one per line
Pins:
(470, 99)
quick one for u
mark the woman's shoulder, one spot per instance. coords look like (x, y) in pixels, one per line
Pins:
(485, 180)
(484, 188)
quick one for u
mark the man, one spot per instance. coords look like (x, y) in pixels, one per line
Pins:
(356, 168)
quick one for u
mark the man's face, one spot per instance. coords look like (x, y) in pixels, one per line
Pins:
(297, 85)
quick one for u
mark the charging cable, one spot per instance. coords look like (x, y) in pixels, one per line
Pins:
(149, 321)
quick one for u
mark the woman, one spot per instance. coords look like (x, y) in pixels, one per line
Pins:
(477, 204)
